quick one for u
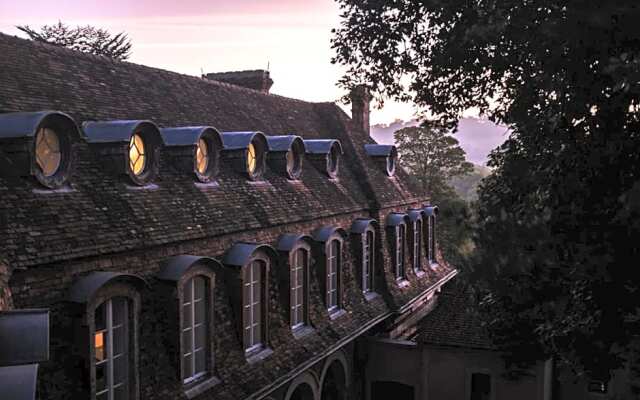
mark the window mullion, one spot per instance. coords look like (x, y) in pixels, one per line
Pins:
(110, 349)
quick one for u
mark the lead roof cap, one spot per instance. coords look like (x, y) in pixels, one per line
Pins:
(241, 140)
(26, 124)
(395, 219)
(19, 382)
(284, 143)
(360, 225)
(415, 214)
(24, 336)
(116, 131)
(241, 253)
(86, 287)
(174, 268)
(430, 210)
(187, 135)
(321, 146)
(324, 233)
(289, 241)
(380, 150)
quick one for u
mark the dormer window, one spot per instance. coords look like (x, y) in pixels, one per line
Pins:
(363, 232)
(252, 159)
(285, 155)
(386, 156)
(247, 152)
(431, 212)
(397, 228)
(48, 153)
(131, 148)
(324, 155)
(193, 150)
(331, 246)
(137, 157)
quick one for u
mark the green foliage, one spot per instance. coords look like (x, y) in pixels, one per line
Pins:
(558, 221)
(466, 186)
(432, 157)
(87, 38)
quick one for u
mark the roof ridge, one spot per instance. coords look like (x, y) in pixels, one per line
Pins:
(102, 58)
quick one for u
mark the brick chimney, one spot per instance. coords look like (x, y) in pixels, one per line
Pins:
(253, 79)
(360, 101)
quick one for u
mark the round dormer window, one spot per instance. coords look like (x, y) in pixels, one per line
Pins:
(137, 155)
(48, 152)
(391, 164)
(294, 163)
(202, 157)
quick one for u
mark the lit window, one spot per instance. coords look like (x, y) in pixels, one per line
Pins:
(298, 287)
(333, 278)
(48, 154)
(368, 262)
(417, 245)
(252, 306)
(202, 156)
(400, 242)
(194, 329)
(137, 156)
(111, 343)
(252, 161)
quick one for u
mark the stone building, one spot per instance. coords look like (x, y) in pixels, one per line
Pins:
(194, 238)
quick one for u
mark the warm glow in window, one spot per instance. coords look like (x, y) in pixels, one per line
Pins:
(48, 155)
(137, 157)
(99, 340)
(251, 158)
(202, 156)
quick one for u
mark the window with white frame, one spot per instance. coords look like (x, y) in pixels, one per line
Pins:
(400, 243)
(252, 305)
(194, 329)
(299, 268)
(417, 245)
(431, 237)
(111, 344)
(333, 275)
(368, 248)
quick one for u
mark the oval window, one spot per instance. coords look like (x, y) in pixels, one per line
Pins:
(48, 153)
(391, 164)
(202, 157)
(137, 156)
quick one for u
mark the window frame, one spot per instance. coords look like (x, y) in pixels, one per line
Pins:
(302, 289)
(368, 261)
(417, 245)
(262, 306)
(207, 323)
(329, 289)
(400, 252)
(431, 239)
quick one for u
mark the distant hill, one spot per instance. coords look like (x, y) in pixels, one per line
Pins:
(467, 186)
(477, 136)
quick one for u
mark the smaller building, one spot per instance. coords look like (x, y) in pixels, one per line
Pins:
(448, 357)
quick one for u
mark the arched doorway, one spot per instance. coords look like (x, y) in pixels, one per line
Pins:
(381, 390)
(302, 392)
(334, 384)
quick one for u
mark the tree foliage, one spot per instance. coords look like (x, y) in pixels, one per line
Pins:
(432, 157)
(87, 38)
(559, 229)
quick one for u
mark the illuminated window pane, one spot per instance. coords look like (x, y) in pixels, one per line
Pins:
(48, 154)
(99, 339)
(202, 156)
(251, 159)
(110, 345)
(137, 156)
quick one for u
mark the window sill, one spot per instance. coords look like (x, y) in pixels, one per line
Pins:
(434, 264)
(148, 186)
(207, 185)
(402, 283)
(369, 296)
(63, 189)
(420, 273)
(255, 356)
(197, 388)
(337, 313)
(302, 331)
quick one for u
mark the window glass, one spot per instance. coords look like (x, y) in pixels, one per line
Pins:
(194, 329)
(400, 242)
(48, 153)
(367, 262)
(202, 156)
(111, 360)
(298, 278)
(137, 156)
(431, 239)
(333, 262)
(417, 244)
(251, 159)
(253, 304)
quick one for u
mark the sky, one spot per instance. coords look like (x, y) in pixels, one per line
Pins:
(290, 37)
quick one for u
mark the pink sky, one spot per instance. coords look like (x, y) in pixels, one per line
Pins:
(188, 36)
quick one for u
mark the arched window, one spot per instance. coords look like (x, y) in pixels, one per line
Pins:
(111, 349)
(253, 305)
(431, 245)
(195, 309)
(368, 251)
(333, 275)
(299, 279)
(399, 250)
(417, 245)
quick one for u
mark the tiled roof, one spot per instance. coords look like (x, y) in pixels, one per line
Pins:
(102, 215)
(452, 323)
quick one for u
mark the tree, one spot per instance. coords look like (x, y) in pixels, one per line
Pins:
(432, 157)
(559, 227)
(87, 38)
